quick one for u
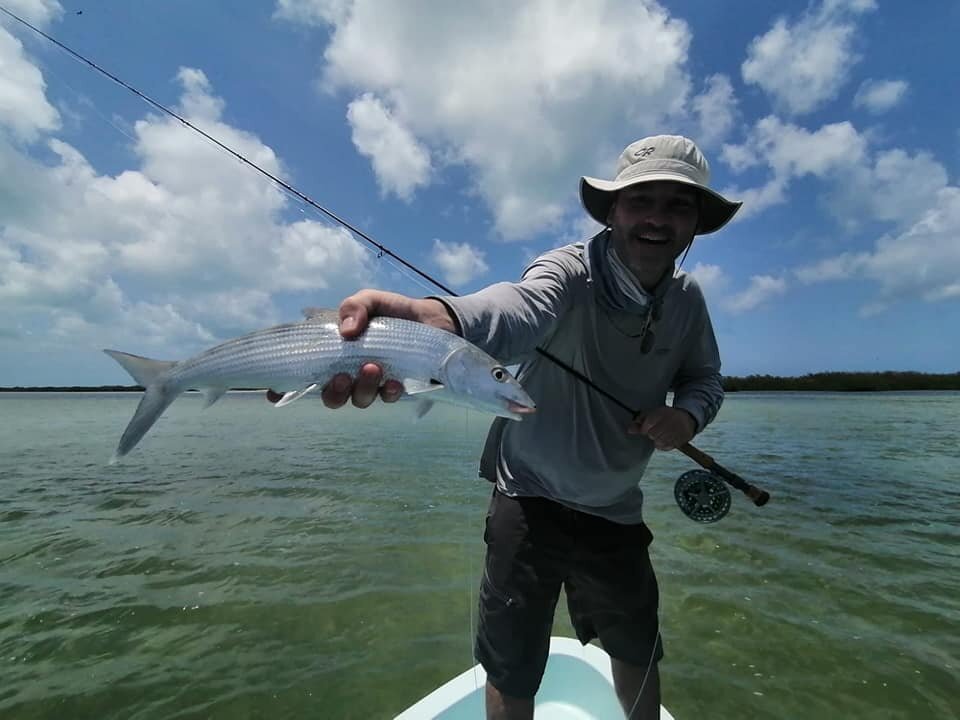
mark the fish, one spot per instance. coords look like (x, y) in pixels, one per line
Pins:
(298, 358)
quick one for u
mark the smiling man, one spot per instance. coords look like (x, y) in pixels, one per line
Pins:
(566, 510)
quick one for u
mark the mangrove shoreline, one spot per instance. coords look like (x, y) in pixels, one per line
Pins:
(813, 382)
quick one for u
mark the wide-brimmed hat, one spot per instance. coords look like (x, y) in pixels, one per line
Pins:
(660, 157)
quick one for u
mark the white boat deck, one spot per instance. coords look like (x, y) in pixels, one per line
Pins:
(577, 685)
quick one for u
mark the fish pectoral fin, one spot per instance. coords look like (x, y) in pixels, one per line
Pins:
(212, 395)
(423, 407)
(414, 386)
(295, 395)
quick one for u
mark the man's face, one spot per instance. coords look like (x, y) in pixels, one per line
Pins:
(652, 223)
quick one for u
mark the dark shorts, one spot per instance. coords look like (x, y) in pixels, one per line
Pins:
(535, 546)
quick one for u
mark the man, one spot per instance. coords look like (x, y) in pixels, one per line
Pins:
(566, 506)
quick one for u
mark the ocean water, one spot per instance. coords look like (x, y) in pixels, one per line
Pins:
(250, 562)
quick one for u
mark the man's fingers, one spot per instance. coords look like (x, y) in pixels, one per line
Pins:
(665, 443)
(336, 392)
(649, 424)
(355, 314)
(391, 391)
(367, 385)
(361, 391)
(643, 425)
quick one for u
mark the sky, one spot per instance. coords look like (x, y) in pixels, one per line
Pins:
(455, 134)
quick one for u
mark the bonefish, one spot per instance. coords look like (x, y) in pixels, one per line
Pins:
(297, 358)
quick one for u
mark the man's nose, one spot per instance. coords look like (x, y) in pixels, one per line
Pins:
(656, 216)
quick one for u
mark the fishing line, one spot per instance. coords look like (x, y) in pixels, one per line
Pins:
(48, 68)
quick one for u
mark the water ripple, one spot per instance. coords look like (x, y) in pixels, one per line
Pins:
(246, 563)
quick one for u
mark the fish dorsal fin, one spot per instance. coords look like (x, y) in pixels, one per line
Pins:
(414, 386)
(295, 395)
(212, 395)
(311, 313)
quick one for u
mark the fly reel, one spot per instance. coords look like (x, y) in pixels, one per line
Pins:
(702, 495)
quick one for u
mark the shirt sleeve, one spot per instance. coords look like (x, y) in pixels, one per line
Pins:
(698, 385)
(509, 319)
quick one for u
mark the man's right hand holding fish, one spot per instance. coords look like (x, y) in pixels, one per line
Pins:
(355, 313)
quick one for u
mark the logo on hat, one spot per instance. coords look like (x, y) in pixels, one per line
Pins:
(643, 152)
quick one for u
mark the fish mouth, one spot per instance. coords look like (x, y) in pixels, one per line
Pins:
(520, 409)
(515, 408)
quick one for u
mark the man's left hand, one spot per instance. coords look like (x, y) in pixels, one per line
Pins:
(668, 427)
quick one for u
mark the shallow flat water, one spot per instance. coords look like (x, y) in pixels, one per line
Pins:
(249, 562)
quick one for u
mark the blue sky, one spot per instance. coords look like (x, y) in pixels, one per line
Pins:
(455, 133)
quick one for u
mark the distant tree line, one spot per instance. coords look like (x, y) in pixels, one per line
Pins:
(825, 381)
(846, 382)
(74, 388)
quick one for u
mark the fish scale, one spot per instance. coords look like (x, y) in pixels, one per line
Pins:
(313, 350)
(296, 358)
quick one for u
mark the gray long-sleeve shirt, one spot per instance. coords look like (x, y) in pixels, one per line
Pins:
(575, 448)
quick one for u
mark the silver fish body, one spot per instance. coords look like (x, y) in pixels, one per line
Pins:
(298, 358)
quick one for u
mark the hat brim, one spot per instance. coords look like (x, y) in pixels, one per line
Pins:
(597, 198)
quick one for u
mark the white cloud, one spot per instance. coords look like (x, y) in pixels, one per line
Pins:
(922, 261)
(24, 110)
(803, 64)
(793, 151)
(715, 283)
(36, 12)
(310, 256)
(461, 262)
(518, 93)
(188, 246)
(878, 96)
(925, 259)
(890, 185)
(839, 267)
(761, 289)
(400, 162)
(790, 151)
(895, 187)
(313, 12)
(579, 229)
(711, 279)
(715, 109)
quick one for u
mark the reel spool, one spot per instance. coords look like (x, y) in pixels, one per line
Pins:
(702, 495)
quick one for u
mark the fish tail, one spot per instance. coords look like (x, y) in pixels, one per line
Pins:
(144, 370)
(156, 398)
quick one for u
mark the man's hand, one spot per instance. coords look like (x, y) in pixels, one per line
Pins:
(355, 314)
(668, 427)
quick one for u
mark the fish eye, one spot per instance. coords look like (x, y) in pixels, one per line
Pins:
(499, 374)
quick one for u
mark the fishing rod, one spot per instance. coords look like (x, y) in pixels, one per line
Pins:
(700, 494)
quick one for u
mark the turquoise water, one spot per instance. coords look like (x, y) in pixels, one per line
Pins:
(250, 562)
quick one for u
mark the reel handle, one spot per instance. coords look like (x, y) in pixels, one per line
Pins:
(758, 495)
